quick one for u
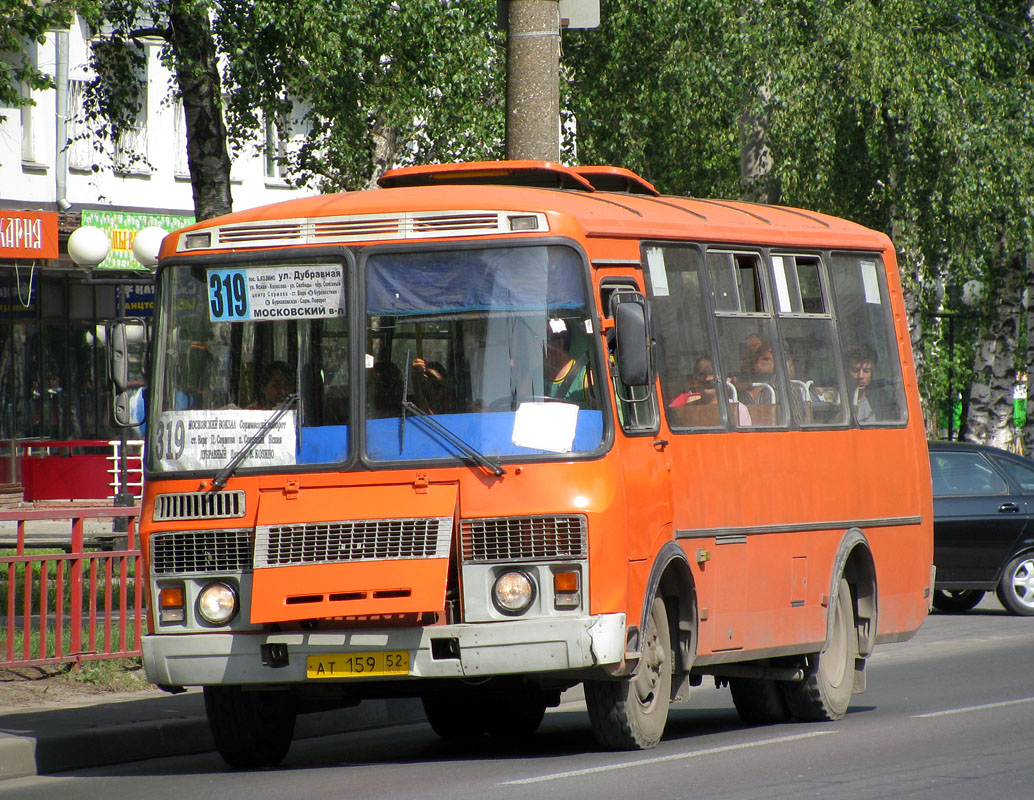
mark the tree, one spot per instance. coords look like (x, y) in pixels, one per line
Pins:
(367, 84)
(911, 117)
(24, 21)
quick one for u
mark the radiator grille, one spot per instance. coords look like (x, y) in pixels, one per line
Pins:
(198, 505)
(182, 552)
(355, 540)
(543, 538)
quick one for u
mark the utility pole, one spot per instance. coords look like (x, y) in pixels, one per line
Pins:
(533, 80)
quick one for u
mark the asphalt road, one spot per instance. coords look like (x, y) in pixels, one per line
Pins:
(946, 715)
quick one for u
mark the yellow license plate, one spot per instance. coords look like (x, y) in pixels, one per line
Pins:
(357, 665)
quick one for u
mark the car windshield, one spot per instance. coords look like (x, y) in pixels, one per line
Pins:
(496, 344)
(234, 343)
(468, 354)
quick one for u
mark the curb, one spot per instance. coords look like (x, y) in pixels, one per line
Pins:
(44, 754)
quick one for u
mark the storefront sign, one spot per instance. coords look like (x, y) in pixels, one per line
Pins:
(122, 226)
(28, 234)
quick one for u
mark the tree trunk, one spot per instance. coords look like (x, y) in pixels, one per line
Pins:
(990, 417)
(197, 73)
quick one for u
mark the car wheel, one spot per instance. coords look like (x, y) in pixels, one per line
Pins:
(955, 601)
(1016, 588)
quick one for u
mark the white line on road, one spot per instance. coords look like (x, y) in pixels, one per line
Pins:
(661, 759)
(950, 711)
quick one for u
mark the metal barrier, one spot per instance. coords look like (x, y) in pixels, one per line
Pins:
(134, 467)
(85, 603)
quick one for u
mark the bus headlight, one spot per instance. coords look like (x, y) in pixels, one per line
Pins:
(217, 603)
(513, 592)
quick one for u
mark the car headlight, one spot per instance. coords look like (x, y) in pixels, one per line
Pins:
(217, 603)
(513, 592)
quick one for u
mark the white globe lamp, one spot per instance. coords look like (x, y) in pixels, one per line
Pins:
(88, 246)
(147, 243)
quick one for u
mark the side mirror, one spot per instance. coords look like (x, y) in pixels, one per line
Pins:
(118, 342)
(631, 323)
(126, 339)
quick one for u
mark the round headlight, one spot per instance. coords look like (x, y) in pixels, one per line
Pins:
(513, 592)
(217, 603)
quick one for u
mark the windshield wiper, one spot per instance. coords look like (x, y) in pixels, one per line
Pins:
(219, 481)
(478, 457)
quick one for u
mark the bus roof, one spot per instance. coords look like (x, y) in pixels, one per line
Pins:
(478, 199)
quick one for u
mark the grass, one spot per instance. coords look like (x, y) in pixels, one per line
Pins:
(17, 575)
(100, 643)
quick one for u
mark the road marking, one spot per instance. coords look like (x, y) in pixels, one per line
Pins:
(949, 711)
(661, 759)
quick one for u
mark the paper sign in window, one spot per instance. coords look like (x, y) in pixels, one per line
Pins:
(545, 426)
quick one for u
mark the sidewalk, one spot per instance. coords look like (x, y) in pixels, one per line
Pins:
(118, 728)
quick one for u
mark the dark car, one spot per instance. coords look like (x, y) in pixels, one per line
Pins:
(983, 501)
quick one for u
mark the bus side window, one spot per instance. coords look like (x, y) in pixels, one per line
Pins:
(636, 405)
(815, 387)
(692, 390)
(748, 354)
(875, 388)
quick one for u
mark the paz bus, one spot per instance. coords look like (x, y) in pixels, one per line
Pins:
(496, 429)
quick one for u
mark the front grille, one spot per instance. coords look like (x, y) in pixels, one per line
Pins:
(544, 538)
(352, 540)
(198, 505)
(183, 552)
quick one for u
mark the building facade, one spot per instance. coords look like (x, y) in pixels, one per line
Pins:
(54, 178)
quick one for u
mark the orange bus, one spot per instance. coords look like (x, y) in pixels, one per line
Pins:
(497, 429)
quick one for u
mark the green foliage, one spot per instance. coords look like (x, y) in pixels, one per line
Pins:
(23, 21)
(371, 83)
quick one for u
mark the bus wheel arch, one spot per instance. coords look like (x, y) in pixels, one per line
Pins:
(630, 712)
(835, 673)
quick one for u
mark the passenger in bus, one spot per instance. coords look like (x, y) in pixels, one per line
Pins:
(430, 388)
(871, 403)
(759, 365)
(277, 383)
(384, 390)
(568, 377)
(702, 390)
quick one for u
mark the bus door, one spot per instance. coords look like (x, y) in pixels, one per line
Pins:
(645, 463)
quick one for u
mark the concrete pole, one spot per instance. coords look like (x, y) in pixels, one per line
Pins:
(533, 80)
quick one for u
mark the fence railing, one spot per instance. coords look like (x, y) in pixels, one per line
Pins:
(134, 461)
(69, 596)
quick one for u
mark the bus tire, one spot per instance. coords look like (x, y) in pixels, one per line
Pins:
(251, 729)
(825, 693)
(955, 601)
(1016, 588)
(759, 701)
(455, 715)
(630, 714)
(515, 716)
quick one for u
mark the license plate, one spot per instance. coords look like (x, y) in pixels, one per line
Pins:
(357, 665)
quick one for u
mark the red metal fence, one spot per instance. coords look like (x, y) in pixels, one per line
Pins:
(69, 596)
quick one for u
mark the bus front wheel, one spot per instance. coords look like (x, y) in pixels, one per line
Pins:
(630, 714)
(251, 729)
(825, 693)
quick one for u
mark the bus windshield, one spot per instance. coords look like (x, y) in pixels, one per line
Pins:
(489, 351)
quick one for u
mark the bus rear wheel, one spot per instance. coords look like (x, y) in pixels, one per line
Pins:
(630, 714)
(825, 693)
(759, 701)
(251, 729)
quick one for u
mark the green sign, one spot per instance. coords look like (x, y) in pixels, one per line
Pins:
(122, 226)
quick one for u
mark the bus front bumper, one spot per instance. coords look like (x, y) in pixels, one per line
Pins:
(441, 651)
